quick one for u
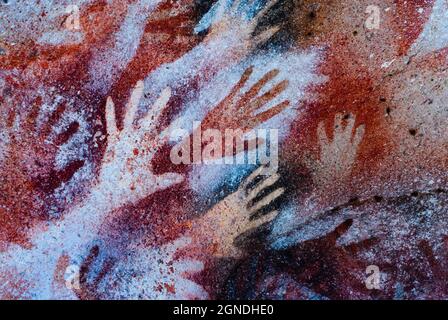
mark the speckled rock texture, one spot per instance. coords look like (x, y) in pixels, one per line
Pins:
(117, 180)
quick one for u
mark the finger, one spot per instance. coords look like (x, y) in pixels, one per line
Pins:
(350, 124)
(268, 96)
(359, 135)
(235, 6)
(338, 124)
(362, 245)
(266, 200)
(86, 266)
(53, 119)
(260, 84)
(214, 15)
(263, 11)
(221, 9)
(32, 116)
(156, 111)
(263, 185)
(62, 267)
(105, 269)
(268, 114)
(132, 105)
(111, 123)
(167, 180)
(258, 172)
(265, 35)
(428, 251)
(245, 76)
(67, 134)
(65, 174)
(166, 13)
(262, 220)
(188, 267)
(11, 117)
(339, 231)
(322, 134)
(189, 290)
(165, 135)
(180, 243)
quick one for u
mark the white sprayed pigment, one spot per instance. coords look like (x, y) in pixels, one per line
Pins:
(281, 225)
(179, 73)
(423, 218)
(76, 148)
(107, 65)
(213, 15)
(36, 266)
(435, 33)
(145, 273)
(20, 20)
(80, 228)
(298, 68)
(74, 236)
(61, 37)
(218, 52)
